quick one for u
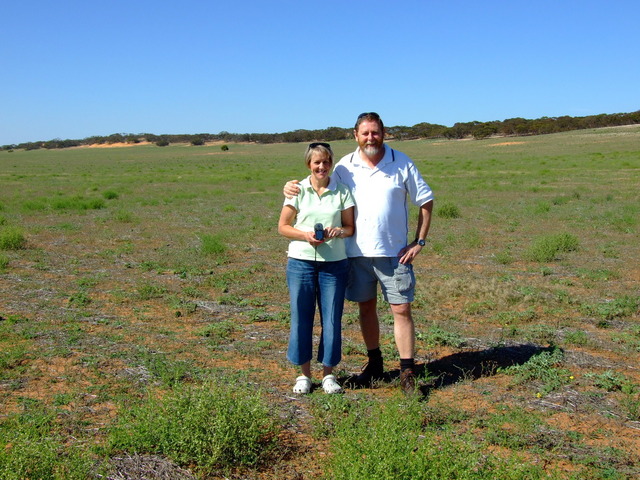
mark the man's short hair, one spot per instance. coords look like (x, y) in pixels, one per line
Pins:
(369, 117)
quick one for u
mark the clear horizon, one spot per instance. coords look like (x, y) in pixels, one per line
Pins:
(74, 69)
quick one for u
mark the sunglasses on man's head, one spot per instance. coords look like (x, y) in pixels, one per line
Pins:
(369, 114)
(319, 144)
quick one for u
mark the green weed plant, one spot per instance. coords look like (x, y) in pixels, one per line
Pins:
(31, 446)
(543, 370)
(210, 426)
(212, 245)
(403, 446)
(448, 210)
(12, 238)
(547, 247)
(4, 262)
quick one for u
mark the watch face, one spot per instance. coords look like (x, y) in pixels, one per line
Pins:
(421, 243)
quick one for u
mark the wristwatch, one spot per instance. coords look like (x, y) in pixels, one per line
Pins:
(420, 241)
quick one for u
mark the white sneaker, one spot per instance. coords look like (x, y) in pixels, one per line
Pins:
(329, 384)
(303, 385)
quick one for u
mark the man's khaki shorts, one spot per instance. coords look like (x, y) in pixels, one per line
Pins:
(397, 280)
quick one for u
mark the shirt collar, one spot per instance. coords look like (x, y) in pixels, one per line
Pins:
(306, 183)
(387, 158)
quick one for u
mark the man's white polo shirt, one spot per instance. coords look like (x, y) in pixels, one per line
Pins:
(381, 193)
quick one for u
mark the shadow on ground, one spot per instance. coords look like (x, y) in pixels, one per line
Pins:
(463, 366)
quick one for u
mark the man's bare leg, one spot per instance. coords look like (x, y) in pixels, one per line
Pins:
(404, 329)
(369, 324)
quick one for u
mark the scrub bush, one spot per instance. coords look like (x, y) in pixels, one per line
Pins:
(448, 210)
(4, 262)
(212, 245)
(110, 195)
(210, 426)
(547, 247)
(543, 368)
(392, 441)
(12, 238)
(30, 447)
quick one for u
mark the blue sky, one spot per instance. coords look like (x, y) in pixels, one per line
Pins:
(73, 69)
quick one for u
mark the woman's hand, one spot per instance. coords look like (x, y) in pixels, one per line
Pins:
(333, 232)
(310, 237)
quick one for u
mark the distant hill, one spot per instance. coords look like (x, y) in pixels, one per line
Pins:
(478, 130)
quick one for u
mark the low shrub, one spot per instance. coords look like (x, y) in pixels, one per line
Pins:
(12, 238)
(217, 331)
(504, 257)
(123, 216)
(168, 371)
(543, 368)
(621, 307)
(110, 195)
(147, 291)
(205, 427)
(391, 441)
(4, 262)
(79, 299)
(608, 380)
(448, 210)
(437, 336)
(30, 447)
(212, 245)
(547, 247)
(78, 203)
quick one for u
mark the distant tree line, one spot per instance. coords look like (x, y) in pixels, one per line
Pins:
(477, 130)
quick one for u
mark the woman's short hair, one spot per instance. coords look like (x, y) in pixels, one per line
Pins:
(318, 147)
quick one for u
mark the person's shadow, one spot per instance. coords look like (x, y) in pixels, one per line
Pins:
(464, 366)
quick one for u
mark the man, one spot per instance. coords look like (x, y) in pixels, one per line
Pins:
(382, 180)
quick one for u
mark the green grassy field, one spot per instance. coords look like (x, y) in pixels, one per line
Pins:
(143, 284)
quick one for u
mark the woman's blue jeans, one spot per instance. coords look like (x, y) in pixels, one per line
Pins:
(311, 283)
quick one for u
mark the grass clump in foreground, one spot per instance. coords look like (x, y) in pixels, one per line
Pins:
(211, 426)
(393, 440)
(31, 447)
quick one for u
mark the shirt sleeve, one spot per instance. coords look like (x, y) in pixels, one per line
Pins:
(419, 191)
(347, 198)
(293, 201)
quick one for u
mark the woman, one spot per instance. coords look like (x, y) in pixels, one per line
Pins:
(317, 265)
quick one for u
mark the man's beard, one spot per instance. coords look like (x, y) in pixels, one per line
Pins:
(371, 150)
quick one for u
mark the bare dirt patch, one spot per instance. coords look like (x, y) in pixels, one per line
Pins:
(503, 144)
(115, 145)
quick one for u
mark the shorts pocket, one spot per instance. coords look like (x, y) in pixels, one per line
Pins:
(404, 277)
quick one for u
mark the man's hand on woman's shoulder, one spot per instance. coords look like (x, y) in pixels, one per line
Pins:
(291, 188)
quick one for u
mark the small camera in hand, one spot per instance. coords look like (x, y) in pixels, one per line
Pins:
(318, 232)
